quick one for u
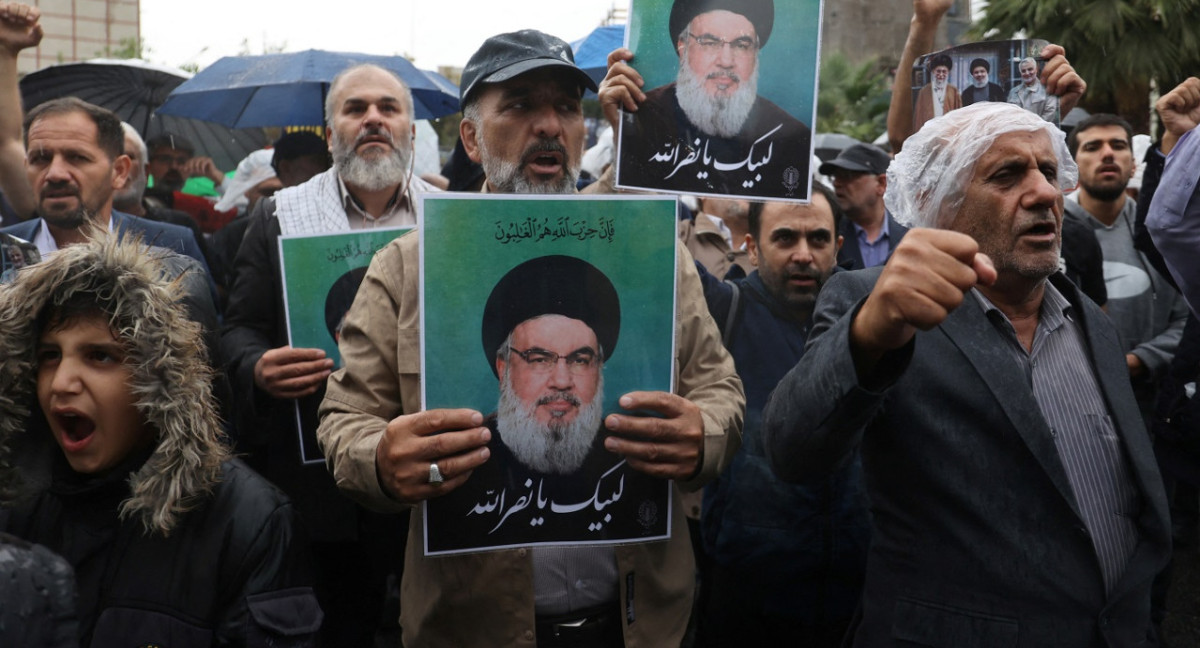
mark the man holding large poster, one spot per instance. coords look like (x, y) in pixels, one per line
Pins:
(369, 124)
(384, 451)
(710, 131)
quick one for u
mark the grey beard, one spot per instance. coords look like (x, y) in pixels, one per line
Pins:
(131, 195)
(370, 174)
(506, 176)
(979, 84)
(559, 448)
(717, 116)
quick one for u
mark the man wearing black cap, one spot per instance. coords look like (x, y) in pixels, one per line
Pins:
(522, 113)
(737, 141)
(523, 122)
(859, 175)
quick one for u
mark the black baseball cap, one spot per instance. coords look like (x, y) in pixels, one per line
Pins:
(863, 158)
(506, 56)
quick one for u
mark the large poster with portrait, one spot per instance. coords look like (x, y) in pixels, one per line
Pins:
(540, 312)
(1002, 71)
(731, 89)
(321, 274)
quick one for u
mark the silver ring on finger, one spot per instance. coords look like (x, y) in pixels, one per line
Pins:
(435, 474)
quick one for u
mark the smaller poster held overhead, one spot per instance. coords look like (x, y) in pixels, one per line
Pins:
(1007, 71)
(730, 98)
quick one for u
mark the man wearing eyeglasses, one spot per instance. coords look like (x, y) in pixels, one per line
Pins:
(710, 131)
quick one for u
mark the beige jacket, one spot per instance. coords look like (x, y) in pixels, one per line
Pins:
(486, 599)
(707, 245)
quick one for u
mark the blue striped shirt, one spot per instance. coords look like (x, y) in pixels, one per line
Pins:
(1068, 394)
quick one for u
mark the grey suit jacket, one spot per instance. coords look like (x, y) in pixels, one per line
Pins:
(978, 540)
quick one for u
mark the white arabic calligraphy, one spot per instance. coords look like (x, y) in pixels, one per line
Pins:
(699, 151)
(597, 501)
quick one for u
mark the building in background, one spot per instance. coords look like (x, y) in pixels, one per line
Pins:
(78, 30)
(861, 29)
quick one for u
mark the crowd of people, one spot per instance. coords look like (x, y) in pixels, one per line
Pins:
(944, 402)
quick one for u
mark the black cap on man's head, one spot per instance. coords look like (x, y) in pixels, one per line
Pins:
(760, 13)
(171, 141)
(552, 285)
(861, 158)
(506, 56)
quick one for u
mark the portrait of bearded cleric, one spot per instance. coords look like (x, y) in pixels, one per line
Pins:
(710, 130)
(549, 326)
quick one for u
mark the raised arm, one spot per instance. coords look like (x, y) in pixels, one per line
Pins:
(927, 14)
(19, 29)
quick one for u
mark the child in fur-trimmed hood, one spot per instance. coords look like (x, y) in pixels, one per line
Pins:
(111, 454)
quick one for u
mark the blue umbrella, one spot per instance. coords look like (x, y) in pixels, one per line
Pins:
(442, 82)
(591, 51)
(289, 89)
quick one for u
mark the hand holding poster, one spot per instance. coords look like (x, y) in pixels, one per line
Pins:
(730, 98)
(541, 312)
(321, 274)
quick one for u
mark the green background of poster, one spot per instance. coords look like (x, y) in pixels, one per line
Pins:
(787, 64)
(463, 259)
(310, 266)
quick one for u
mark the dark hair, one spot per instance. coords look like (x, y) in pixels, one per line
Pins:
(756, 210)
(110, 136)
(980, 63)
(941, 60)
(58, 315)
(171, 141)
(1092, 121)
(293, 146)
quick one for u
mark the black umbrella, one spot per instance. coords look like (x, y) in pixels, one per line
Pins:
(134, 89)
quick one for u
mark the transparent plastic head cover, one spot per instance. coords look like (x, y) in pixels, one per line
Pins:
(927, 180)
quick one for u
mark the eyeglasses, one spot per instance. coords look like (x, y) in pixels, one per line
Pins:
(541, 361)
(742, 46)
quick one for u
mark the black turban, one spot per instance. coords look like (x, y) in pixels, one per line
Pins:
(552, 285)
(760, 13)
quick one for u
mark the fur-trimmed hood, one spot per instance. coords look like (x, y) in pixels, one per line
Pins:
(165, 350)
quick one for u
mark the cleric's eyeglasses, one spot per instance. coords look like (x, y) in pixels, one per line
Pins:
(543, 361)
(741, 46)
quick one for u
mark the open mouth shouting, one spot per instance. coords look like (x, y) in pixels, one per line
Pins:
(1042, 231)
(73, 428)
(546, 158)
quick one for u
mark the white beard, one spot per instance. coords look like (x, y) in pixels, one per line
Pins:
(506, 176)
(939, 85)
(559, 448)
(717, 116)
(373, 174)
(979, 84)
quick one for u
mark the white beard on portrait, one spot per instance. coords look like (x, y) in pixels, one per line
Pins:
(558, 448)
